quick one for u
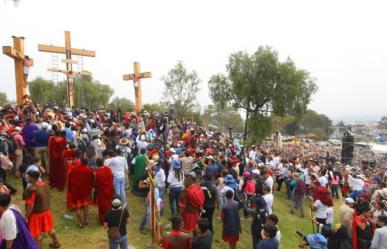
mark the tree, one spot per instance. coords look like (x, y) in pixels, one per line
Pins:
(310, 123)
(382, 124)
(155, 107)
(88, 93)
(261, 85)
(124, 104)
(181, 88)
(223, 118)
(3, 98)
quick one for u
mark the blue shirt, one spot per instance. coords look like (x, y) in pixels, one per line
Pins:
(41, 138)
(268, 244)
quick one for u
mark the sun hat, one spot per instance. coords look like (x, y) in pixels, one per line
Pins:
(123, 141)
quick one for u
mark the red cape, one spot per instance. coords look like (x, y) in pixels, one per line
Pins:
(105, 191)
(104, 185)
(56, 146)
(80, 183)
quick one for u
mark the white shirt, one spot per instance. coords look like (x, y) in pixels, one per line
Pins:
(141, 144)
(278, 235)
(118, 165)
(269, 182)
(173, 181)
(323, 180)
(329, 215)
(160, 178)
(269, 198)
(321, 211)
(8, 225)
(379, 240)
(355, 184)
(308, 178)
(252, 155)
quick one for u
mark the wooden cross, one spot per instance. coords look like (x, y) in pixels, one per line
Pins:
(17, 53)
(136, 77)
(69, 51)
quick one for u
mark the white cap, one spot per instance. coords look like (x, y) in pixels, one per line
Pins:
(18, 128)
(256, 171)
(116, 202)
(349, 200)
(44, 125)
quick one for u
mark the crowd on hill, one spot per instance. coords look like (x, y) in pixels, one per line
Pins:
(97, 156)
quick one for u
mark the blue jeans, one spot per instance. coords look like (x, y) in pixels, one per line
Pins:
(122, 242)
(174, 194)
(119, 188)
(162, 197)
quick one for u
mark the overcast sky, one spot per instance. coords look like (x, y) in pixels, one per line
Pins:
(343, 44)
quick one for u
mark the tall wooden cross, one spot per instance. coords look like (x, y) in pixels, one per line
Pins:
(136, 77)
(17, 53)
(69, 51)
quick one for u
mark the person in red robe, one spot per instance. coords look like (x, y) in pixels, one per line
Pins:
(72, 164)
(56, 146)
(104, 189)
(68, 157)
(80, 184)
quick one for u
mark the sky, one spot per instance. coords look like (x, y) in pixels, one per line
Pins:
(343, 44)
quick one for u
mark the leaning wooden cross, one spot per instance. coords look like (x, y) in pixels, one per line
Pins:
(70, 74)
(17, 53)
(136, 77)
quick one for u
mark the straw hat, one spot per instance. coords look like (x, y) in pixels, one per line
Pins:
(123, 141)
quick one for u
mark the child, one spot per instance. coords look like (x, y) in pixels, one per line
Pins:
(203, 238)
(268, 238)
(272, 219)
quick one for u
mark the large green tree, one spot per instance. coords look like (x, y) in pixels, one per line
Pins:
(124, 104)
(261, 85)
(223, 118)
(310, 123)
(88, 93)
(3, 98)
(180, 89)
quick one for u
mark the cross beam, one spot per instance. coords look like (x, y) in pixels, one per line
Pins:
(68, 51)
(136, 78)
(17, 53)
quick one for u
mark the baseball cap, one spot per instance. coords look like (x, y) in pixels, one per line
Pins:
(349, 200)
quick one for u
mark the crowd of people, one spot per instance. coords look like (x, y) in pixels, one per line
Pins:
(176, 165)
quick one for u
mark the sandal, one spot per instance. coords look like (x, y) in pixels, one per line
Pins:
(80, 226)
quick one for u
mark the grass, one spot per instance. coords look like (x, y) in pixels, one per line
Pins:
(94, 237)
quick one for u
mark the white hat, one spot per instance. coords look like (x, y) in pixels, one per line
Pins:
(349, 200)
(44, 125)
(142, 137)
(18, 128)
(172, 150)
(256, 171)
(116, 202)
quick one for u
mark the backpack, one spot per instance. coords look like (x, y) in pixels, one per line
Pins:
(195, 195)
(239, 197)
(207, 193)
(301, 187)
